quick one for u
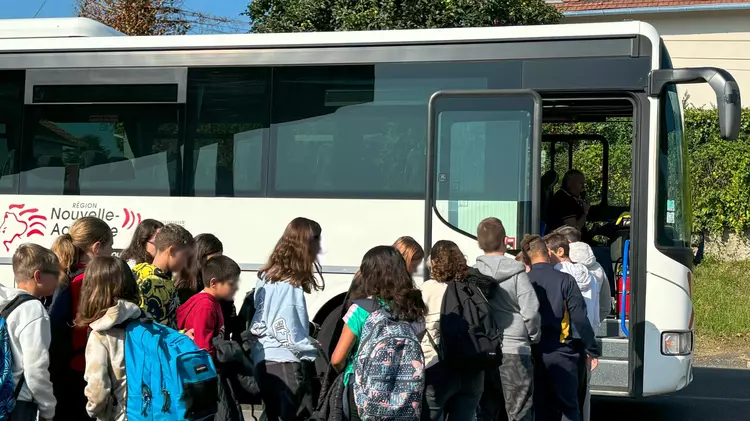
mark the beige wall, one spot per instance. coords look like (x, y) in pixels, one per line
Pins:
(695, 39)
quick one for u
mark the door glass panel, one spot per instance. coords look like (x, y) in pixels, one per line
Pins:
(485, 151)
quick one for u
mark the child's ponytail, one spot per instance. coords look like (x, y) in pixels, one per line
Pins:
(66, 252)
(84, 233)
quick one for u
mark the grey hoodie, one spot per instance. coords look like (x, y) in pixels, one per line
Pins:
(517, 306)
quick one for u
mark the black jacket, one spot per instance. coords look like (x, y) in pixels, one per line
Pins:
(562, 308)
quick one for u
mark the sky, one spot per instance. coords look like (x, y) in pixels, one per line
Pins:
(15, 9)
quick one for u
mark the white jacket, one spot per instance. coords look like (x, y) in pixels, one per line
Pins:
(588, 286)
(432, 294)
(581, 252)
(106, 387)
(30, 335)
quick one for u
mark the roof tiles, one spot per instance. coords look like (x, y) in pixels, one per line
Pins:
(581, 5)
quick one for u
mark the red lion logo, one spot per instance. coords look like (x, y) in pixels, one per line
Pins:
(19, 222)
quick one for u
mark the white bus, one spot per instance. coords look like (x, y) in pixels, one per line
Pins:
(375, 135)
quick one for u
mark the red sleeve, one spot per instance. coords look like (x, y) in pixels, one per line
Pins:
(75, 290)
(202, 320)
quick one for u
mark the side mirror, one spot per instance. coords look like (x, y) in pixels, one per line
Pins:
(724, 85)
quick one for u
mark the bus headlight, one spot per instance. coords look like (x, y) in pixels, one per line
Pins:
(677, 343)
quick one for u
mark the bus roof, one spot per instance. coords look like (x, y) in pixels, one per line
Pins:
(53, 28)
(102, 38)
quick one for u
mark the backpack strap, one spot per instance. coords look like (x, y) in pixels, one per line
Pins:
(12, 305)
(368, 304)
(434, 345)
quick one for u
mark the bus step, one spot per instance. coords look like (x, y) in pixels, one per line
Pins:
(611, 328)
(614, 348)
(610, 374)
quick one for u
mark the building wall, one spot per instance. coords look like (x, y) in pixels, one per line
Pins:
(695, 39)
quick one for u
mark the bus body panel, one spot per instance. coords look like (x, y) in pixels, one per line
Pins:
(250, 227)
(672, 312)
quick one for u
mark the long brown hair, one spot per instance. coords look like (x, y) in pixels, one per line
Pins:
(84, 233)
(410, 249)
(108, 280)
(295, 256)
(383, 275)
(144, 232)
(447, 262)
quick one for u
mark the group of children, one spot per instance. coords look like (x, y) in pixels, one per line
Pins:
(546, 302)
(68, 343)
(68, 346)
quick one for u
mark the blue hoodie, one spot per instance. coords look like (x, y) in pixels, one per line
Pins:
(280, 323)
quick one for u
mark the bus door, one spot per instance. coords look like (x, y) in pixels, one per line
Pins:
(483, 160)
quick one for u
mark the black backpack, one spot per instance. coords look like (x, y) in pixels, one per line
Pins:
(470, 337)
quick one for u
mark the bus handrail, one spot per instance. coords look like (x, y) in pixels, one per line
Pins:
(623, 292)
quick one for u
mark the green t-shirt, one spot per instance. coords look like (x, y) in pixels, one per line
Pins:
(355, 319)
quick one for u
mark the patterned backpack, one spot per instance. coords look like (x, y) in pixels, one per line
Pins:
(388, 370)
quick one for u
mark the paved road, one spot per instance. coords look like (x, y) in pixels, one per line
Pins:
(716, 394)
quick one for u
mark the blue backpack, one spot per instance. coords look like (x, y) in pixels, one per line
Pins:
(388, 370)
(8, 391)
(169, 377)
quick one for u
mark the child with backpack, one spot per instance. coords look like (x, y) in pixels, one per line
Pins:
(517, 311)
(280, 322)
(136, 368)
(203, 314)
(25, 334)
(86, 239)
(174, 248)
(455, 358)
(381, 339)
(111, 299)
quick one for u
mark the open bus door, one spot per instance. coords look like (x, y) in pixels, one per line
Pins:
(483, 160)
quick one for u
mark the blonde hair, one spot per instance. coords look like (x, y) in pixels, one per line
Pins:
(84, 233)
(108, 280)
(29, 258)
(410, 249)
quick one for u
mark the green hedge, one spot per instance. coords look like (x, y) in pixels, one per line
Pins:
(719, 169)
(719, 172)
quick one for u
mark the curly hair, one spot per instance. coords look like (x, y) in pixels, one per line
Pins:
(295, 256)
(383, 274)
(447, 262)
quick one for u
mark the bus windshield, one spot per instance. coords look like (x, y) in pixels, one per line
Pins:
(674, 217)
